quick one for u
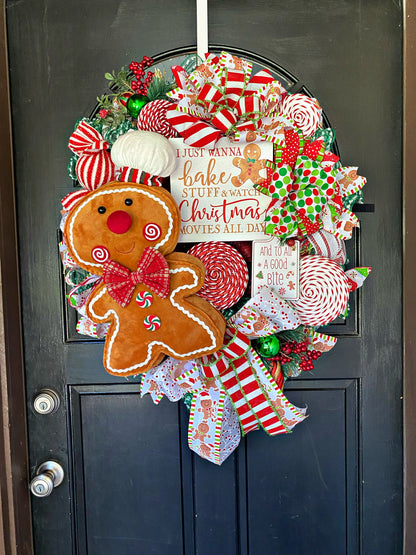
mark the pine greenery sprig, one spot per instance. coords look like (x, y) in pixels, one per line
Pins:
(159, 87)
(120, 82)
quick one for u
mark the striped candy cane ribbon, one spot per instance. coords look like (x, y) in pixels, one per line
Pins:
(255, 396)
(133, 175)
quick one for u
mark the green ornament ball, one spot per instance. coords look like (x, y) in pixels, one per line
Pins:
(268, 346)
(135, 103)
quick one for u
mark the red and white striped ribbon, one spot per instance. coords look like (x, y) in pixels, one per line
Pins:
(239, 369)
(72, 199)
(195, 132)
(133, 175)
(85, 139)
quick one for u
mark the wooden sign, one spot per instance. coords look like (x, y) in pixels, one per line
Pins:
(277, 266)
(214, 190)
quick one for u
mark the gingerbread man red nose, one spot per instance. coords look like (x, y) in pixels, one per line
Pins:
(119, 222)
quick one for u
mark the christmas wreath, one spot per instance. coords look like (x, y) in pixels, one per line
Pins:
(240, 177)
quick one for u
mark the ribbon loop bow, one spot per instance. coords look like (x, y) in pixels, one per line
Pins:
(152, 271)
(222, 98)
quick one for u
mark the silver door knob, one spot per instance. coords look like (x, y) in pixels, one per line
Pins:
(46, 401)
(48, 476)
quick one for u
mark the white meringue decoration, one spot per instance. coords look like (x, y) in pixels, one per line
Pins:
(145, 151)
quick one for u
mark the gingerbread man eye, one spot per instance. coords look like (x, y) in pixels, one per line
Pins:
(152, 232)
(102, 209)
(128, 202)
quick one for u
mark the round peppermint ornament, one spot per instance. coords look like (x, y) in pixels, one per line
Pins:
(152, 117)
(305, 112)
(226, 275)
(324, 291)
(152, 323)
(144, 299)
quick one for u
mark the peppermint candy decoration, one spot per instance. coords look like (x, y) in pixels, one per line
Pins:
(324, 291)
(94, 170)
(152, 232)
(226, 275)
(152, 323)
(94, 166)
(305, 112)
(144, 299)
(152, 117)
(100, 254)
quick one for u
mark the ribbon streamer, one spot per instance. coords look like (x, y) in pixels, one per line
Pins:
(255, 396)
(231, 389)
(213, 429)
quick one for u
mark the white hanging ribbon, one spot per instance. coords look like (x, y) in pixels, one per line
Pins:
(202, 27)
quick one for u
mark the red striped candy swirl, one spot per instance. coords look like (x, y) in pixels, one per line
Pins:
(152, 232)
(324, 291)
(304, 111)
(100, 254)
(226, 275)
(152, 117)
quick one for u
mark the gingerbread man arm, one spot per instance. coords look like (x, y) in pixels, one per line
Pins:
(186, 270)
(239, 180)
(238, 162)
(101, 307)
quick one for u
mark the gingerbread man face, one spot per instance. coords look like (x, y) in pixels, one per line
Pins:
(120, 221)
(126, 232)
(252, 153)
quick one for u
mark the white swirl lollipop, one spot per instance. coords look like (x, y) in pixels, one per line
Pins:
(324, 291)
(305, 112)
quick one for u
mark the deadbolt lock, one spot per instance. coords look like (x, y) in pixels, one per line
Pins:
(46, 401)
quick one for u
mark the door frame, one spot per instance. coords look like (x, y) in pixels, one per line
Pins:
(409, 271)
(15, 515)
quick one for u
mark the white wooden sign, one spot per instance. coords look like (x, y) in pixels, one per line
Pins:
(277, 266)
(214, 190)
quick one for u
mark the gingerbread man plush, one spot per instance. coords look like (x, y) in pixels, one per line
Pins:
(126, 233)
(250, 166)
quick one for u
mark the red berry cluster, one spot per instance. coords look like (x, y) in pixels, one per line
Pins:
(140, 85)
(301, 349)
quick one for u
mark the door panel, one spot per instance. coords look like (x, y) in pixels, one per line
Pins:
(132, 485)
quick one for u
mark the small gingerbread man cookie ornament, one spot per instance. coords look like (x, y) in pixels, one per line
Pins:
(249, 166)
